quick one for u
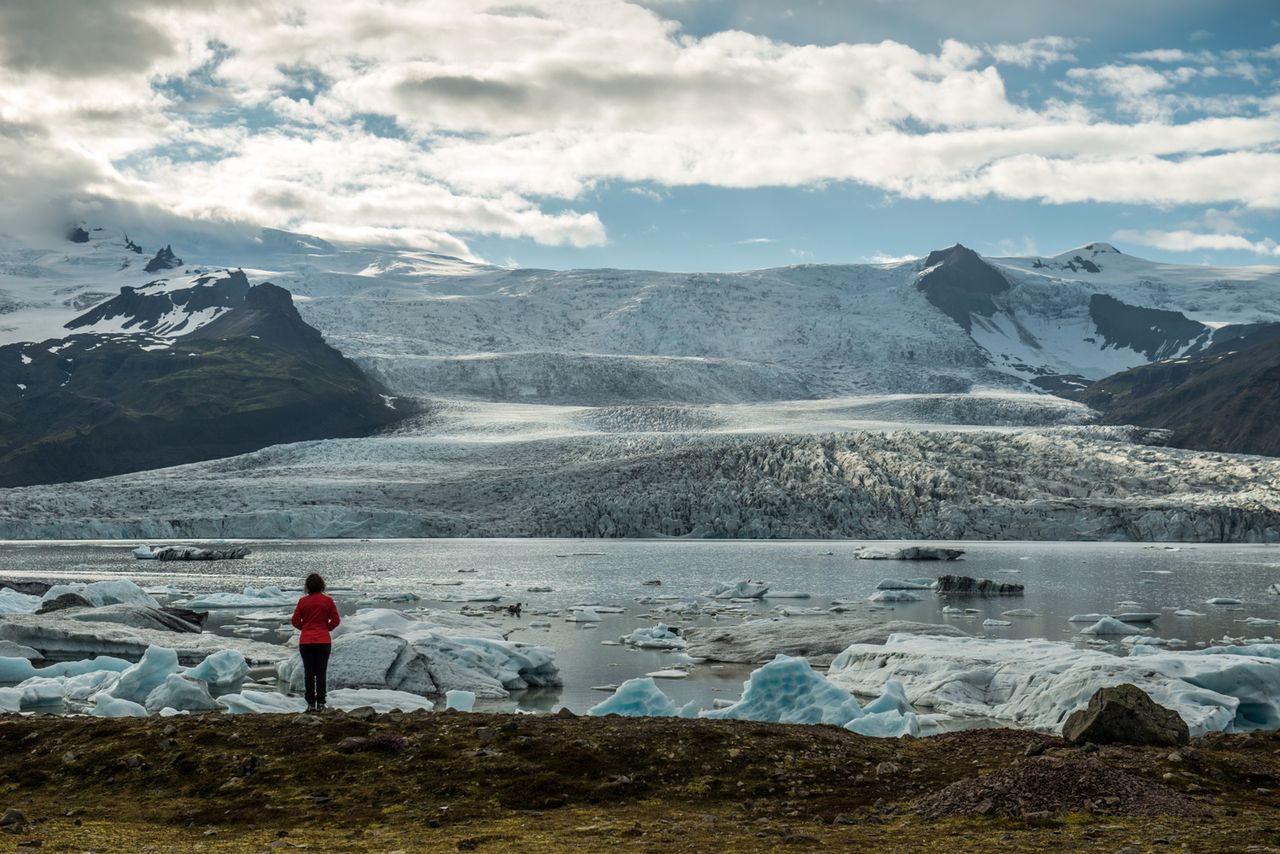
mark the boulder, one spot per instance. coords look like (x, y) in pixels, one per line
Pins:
(1124, 714)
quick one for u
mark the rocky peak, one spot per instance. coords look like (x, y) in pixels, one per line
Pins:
(164, 260)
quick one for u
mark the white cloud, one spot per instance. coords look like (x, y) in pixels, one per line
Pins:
(1190, 241)
(1037, 52)
(388, 120)
(754, 240)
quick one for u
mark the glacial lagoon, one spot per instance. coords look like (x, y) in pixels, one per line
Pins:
(1061, 580)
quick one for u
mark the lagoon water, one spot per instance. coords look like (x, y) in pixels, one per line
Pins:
(1061, 579)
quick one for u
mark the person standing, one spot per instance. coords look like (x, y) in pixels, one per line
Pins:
(316, 616)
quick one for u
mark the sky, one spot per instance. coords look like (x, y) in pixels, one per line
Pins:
(656, 134)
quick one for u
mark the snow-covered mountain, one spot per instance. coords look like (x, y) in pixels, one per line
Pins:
(617, 402)
(431, 325)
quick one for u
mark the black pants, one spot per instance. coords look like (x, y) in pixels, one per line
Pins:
(315, 666)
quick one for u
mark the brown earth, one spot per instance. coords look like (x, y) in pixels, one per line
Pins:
(450, 781)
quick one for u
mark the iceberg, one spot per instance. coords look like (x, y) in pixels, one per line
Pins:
(13, 602)
(1036, 684)
(381, 648)
(788, 690)
(891, 724)
(113, 707)
(582, 615)
(1110, 626)
(899, 584)
(182, 693)
(741, 589)
(660, 636)
(111, 592)
(140, 679)
(460, 701)
(262, 702)
(636, 698)
(380, 700)
(224, 671)
(896, 595)
(252, 597)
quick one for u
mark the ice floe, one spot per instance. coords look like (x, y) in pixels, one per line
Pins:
(660, 636)
(379, 648)
(740, 589)
(110, 592)
(1036, 683)
(252, 597)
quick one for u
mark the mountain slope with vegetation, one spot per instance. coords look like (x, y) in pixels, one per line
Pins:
(89, 406)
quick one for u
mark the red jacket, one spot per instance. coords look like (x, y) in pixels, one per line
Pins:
(316, 615)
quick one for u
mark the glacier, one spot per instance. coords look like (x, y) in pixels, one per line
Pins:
(809, 401)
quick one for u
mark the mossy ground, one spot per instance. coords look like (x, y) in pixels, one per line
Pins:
(499, 783)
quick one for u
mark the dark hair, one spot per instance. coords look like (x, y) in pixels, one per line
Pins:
(315, 584)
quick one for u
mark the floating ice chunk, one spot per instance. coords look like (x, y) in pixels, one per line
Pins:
(1020, 613)
(787, 594)
(19, 669)
(1187, 612)
(179, 692)
(995, 624)
(1136, 617)
(899, 584)
(113, 707)
(953, 611)
(799, 612)
(788, 690)
(380, 700)
(252, 597)
(88, 685)
(1110, 626)
(224, 672)
(583, 615)
(1087, 618)
(1036, 684)
(896, 596)
(660, 636)
(740, 589)
(636, 698)
(1222, 600)
(670, 673)
(262, 702)
(1146, 640)
(1274, 589)
(9, 649)
(460, 701)
(111, 592)
(1259, 621)
(13, 602)
(540, 588)
(40, 692)
(10, 700)
(136, 683)
(891, 724)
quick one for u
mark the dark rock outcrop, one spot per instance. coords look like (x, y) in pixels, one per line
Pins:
(963, 585)
(163, 260)
(142, 309)
(106, 404)
(961, 284)
(30, 588)
(63, 602)
(76, 234)
(1221, 402)
(1124, 714)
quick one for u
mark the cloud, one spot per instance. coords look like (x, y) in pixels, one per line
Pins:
(381, 120)
(1190, 241)
(1037, 52)
(755, 240)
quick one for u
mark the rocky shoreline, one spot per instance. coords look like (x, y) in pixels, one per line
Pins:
(454, 781)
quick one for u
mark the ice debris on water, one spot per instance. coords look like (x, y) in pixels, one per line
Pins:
(252, 597)
(1110, 626)
(740, 589)
(660, 636)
